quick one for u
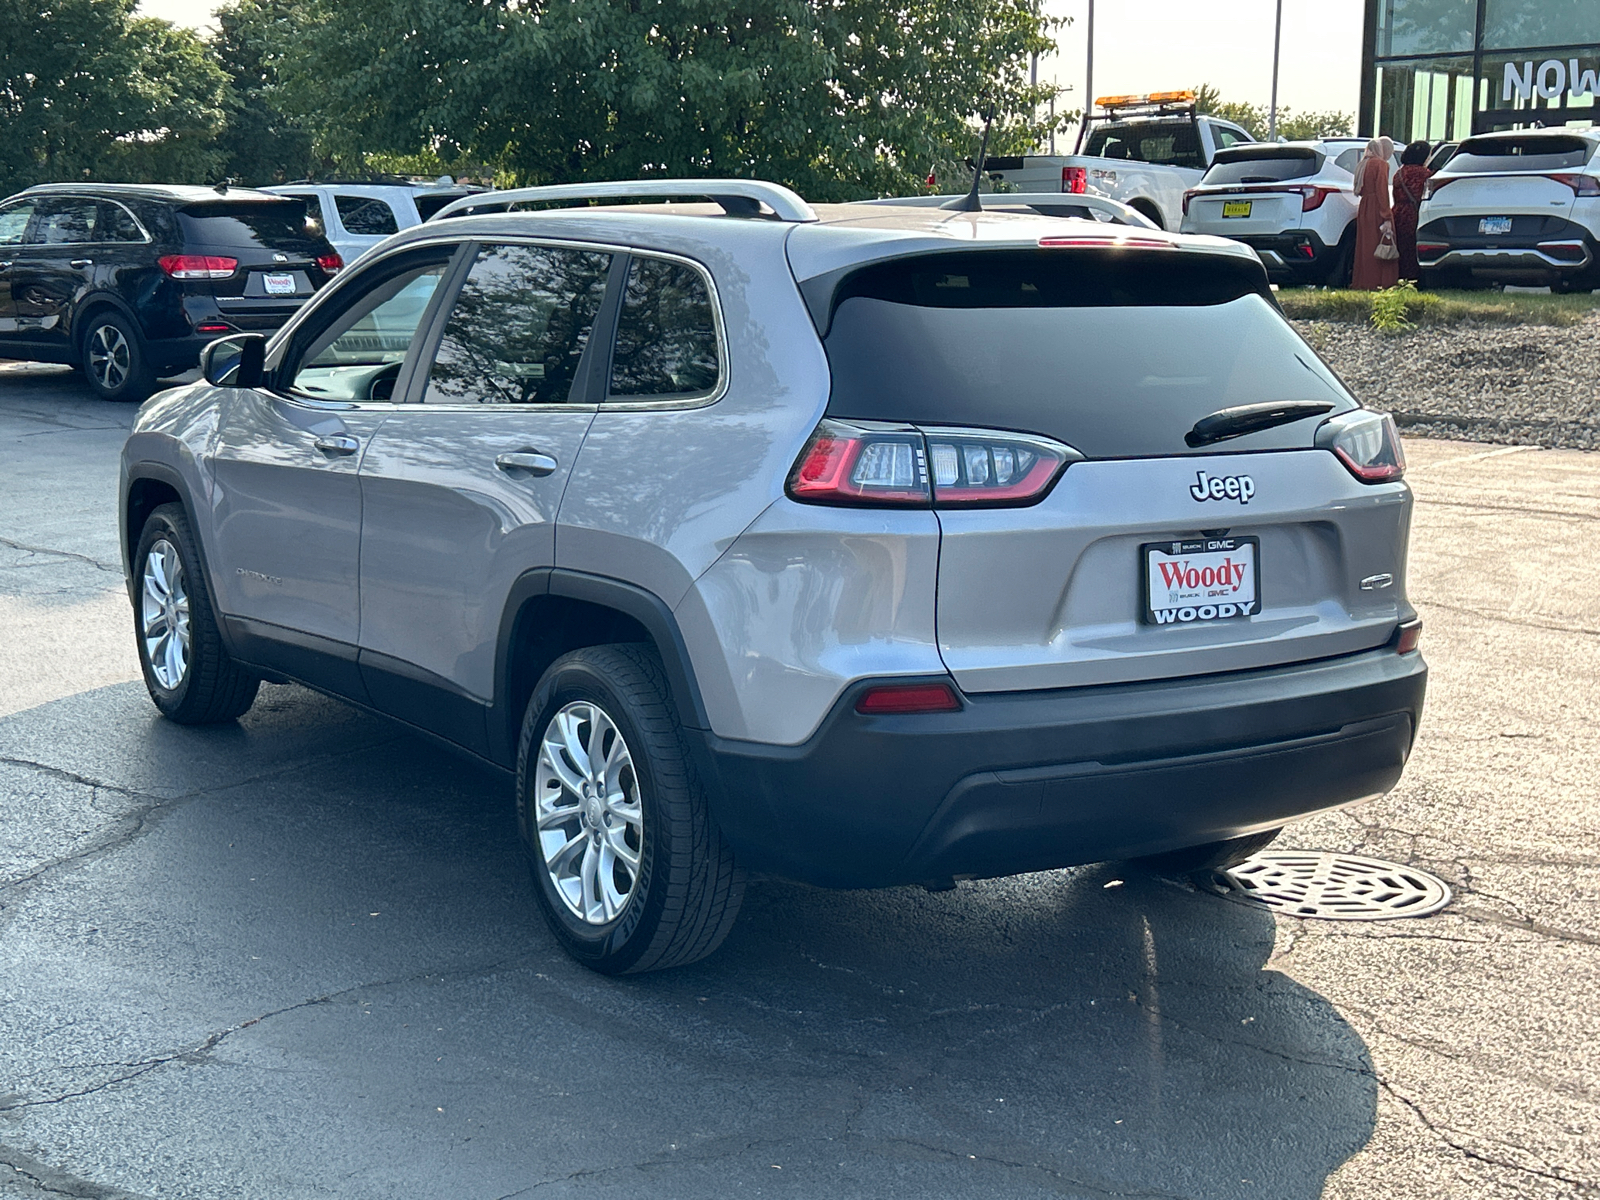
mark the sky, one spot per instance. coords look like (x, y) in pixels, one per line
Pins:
(1157, 45)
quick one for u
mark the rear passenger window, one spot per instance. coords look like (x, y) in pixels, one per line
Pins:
(666, 334)
(518, 328)
(116, 224)
(64, 223)
(313, 210)
(366, 215)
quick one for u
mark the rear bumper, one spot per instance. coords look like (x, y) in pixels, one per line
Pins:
(1565, 250)
(1032, 781)
(1300, 254)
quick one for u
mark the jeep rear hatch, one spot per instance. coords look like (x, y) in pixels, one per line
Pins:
(1116, 352)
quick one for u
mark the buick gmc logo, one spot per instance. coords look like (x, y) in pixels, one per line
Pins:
(1223, 487)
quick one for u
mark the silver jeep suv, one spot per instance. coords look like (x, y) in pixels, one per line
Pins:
(859, 545)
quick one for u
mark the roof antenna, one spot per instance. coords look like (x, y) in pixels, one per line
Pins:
(970, 202)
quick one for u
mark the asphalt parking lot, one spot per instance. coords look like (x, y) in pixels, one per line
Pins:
(298, 957)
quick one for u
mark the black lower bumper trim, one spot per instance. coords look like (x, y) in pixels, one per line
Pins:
(1034, 781)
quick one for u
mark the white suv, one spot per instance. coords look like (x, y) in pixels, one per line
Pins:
(356, 216)
(1521, 207)
(1294, 203)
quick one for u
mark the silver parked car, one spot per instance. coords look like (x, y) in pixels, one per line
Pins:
(860, 545)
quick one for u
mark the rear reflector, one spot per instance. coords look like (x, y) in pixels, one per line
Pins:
(198, 266)
(908, 698)
(213, 327)
(1408, 636)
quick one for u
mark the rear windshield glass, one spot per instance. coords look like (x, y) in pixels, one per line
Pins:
(1521, 154)
(1258, 167)
(1116, 354)
(1169, 143)
(280, 226)
(428, 205)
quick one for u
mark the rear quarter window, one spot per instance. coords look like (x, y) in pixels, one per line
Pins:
(366, 216)
(666, 346)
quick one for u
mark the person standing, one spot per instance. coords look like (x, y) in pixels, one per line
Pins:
(1409, 182)
(1377, 262)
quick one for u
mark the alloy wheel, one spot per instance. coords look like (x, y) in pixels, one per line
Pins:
(164, 614)
(587, 808)
(110, 357)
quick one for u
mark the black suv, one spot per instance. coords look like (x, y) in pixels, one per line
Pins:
(129, 281)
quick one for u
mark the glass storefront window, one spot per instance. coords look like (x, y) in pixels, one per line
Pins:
(1429, 26)
(1428, 99)
(1511, 23)
(1531, 83)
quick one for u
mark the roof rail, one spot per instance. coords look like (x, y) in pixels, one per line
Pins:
(738, 197)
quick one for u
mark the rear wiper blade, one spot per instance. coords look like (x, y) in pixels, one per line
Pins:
(1252, 418)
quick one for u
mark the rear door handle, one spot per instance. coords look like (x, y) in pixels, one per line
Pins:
(337, 443)
(78, 264)
(530, 461)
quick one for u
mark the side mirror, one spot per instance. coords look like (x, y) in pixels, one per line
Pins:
(235, 361)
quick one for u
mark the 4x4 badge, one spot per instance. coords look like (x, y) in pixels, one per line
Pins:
(1223, 487)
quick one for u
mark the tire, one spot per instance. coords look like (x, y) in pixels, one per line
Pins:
(685, 888)
(1147, 209)
(113, 359)
(1212, 856)
(1344, 261)
(196, 684)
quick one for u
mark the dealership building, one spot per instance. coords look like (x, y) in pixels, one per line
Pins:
(1446, 69)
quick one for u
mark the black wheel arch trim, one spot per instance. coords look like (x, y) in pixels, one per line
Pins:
(645, 607)
(93, 303)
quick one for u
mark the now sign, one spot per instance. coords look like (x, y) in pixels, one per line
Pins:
(1551, 79)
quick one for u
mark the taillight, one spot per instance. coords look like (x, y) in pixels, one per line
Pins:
(976, 467)
(850, 462)
(1311, 198)
(1367, 443)
(873, 463)
(1075, 180)
(1581, 185)
(900, 698)
(1188, 196)
(331, 263)
(1115, 240)
(1431, 188)
(1408, 636)
(198, 266)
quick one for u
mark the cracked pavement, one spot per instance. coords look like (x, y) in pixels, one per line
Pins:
(298, 957)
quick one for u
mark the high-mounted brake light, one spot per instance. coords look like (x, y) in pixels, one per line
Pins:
(899, 698)
(1581, 185)
(878, 463)
(1075, 180)
(331, 263)
(1367, 443)
(197, 266)
(1101, 239)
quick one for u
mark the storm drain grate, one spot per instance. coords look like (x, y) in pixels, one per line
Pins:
(1338, 887)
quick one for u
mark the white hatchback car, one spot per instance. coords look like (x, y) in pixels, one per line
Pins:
(356, 216)
(1521, 207)
(1294, 203)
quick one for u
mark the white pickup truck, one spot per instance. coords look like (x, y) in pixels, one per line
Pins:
(1145, 151)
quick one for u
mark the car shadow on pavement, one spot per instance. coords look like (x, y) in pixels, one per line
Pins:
(261, 957)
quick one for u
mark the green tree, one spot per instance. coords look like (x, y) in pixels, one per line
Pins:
(262, 144)
(1255, 118)
(838, 98)
(89, 90)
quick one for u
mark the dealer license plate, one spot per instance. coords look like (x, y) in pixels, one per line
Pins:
(1201, 579)
(278, 285)
(1236, 208)
(1494, 225)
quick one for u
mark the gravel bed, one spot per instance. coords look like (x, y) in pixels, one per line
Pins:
(1522, 384)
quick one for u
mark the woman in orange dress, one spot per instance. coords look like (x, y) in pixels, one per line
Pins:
(1374, 220)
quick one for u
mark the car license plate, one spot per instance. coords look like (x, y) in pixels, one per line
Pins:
(1494, 225)
(278, 285)
(1201, 579)
(1236, 208)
